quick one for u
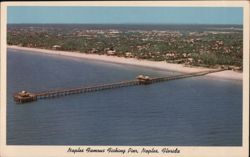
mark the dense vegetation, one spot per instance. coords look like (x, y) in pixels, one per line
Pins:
(214, 48)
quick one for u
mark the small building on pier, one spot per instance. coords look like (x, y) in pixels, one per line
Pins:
(24, 96)
(144, 79)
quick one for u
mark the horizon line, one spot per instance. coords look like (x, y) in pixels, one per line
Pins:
(134, 23)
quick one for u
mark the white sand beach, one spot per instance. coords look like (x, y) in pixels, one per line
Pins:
(228, 74)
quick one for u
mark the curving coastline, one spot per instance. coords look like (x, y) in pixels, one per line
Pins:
(228, 74)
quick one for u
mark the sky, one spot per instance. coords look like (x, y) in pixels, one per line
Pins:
(124, 15)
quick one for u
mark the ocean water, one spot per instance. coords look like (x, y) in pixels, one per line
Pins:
(199, 111)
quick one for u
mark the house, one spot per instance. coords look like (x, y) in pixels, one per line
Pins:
(56, 47)
(111, 52)
(129, 55)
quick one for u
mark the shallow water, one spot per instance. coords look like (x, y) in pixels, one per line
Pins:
(196, 111)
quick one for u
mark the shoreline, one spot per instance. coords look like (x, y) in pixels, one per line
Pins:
(161, 65)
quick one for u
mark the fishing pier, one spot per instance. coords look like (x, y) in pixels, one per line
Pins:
(23, 97)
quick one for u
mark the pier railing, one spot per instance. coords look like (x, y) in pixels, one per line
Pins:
(24, 96)
(65, 92)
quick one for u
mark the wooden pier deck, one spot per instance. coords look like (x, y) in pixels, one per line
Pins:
(23, 97)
